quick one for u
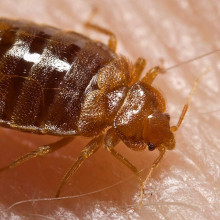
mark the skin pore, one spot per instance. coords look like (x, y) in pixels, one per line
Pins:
(186, 183)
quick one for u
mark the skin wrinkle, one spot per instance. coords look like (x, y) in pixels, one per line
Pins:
(189, 160)
(156, 33)
(199, 191)
(208, 134)
(194, 164)
(183, 209)
(95, 192)
(205, 152)
(39, 216)
(202, 27)
(69, 197)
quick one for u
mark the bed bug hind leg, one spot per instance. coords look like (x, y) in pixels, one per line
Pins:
(41, 151)
(87, 152)
(112, 42)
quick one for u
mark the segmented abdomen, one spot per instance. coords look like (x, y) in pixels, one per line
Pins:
(45, 74)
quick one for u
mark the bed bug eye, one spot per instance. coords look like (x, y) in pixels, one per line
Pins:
(151, 147)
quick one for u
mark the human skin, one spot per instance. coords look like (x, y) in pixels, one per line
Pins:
(186, 184)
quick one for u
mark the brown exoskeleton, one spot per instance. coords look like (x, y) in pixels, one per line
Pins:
(65, 84)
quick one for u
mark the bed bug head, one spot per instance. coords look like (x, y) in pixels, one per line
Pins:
(156, 131)
(141, 122)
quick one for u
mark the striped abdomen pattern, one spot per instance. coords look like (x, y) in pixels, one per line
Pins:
(45, 74)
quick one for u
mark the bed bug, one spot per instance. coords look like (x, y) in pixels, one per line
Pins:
(62, 83)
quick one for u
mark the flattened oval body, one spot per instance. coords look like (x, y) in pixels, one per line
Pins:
(45, 75)
(62, 83)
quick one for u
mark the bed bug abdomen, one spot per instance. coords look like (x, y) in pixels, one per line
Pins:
(45, 74)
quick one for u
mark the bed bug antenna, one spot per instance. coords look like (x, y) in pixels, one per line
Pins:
(186, 106)
(193, 59)
(173, 129)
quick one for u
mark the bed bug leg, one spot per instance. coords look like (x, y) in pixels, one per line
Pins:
(173, 129)
(154, 165)
(152, 74)
(41, 151)
(87, 152)
(111, 140)
(138, 69)
(112, 42)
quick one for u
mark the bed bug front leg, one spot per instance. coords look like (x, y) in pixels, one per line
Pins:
(153, 166)
(111, 140)
(87, 152)
(174, 128)
(152, 74)
(41, 151)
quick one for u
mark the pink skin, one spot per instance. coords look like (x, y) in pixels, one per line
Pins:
(186, 183)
